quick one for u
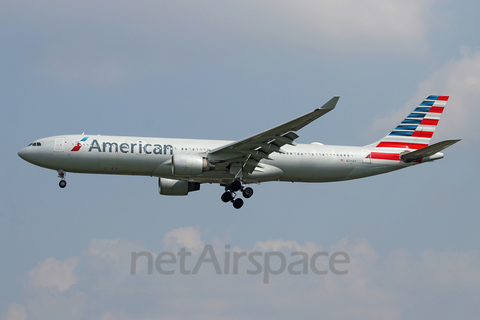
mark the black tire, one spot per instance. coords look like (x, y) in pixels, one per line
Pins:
(226, 196)
(62, 183)
(235, 185)
(238, 203)
(247, 192)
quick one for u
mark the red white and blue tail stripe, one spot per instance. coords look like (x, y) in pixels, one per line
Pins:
(416, 131)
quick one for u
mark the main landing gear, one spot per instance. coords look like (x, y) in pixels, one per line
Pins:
(230, 193)
(61, 175)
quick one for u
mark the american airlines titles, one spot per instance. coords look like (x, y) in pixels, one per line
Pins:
(131, 148)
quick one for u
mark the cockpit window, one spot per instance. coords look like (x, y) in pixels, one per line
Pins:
(35, 144)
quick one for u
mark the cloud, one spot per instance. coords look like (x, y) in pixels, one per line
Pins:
(435, 270)
(359, 24)
(187, 237)
(278, 244)
(459, 79)
(54, 273)
(15, 312)
(112, 43)
(375, 287)
(365, 26)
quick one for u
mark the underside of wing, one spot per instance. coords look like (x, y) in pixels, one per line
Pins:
(247, 153)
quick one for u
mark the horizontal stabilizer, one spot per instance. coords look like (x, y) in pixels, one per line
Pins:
(427, 151)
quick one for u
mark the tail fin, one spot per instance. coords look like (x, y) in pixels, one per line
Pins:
(416, 131)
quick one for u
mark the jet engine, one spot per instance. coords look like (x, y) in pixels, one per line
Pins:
(169, 187)
(190, 165)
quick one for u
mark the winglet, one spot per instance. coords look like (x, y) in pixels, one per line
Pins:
(330, 105)
(302, 121)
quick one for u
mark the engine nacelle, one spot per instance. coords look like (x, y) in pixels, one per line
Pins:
(170, 187)
(190, 165)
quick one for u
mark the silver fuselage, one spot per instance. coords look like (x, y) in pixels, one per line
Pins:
(152, 157)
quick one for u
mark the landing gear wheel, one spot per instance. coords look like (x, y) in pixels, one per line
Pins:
(227, 196)
(62, 183)
(247, 192)
(235, 185)
(237, 203)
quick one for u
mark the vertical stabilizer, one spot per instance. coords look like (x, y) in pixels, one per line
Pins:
(416, 130)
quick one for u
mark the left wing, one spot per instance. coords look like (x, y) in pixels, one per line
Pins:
(249, 151)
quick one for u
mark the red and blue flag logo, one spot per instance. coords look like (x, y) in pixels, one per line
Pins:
(79, 144)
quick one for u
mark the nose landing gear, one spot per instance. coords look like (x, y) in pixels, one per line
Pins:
(61, 175)
(230, 193)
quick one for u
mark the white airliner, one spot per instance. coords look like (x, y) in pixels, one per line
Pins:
(183, 164)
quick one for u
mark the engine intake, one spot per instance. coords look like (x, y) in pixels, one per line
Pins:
(190, 165)
(170, 187)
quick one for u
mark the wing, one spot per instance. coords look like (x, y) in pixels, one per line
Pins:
(249, 151)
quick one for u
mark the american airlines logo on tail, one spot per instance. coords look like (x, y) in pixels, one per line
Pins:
(79, 145)
(416, 131)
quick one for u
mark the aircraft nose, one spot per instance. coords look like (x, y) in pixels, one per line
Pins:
(23, 153)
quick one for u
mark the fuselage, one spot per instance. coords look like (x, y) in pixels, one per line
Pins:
(146, 156)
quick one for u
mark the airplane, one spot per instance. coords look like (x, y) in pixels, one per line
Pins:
(182, 165)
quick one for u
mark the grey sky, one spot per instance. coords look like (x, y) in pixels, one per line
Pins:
(226, 70)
